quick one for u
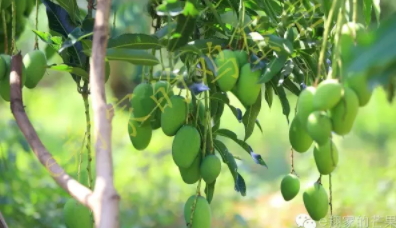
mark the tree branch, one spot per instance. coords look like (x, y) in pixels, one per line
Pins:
(107, 209)
(73, 187)
(3, 223)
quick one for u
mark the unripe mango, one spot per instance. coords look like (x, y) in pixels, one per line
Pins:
(241, 57)
(139, 134)
(328, 94)
(210, 168)
(290, 186)
(359, 84)
(305, 105)
(298, 136)
(192, 174)
(201, 217)
(162, 92)
(316, 201)
(76, 215)
(319, 127)
(5, 87)
(142, 101)
(248, 89)
(344, 113)
(326, 157)
(227, 70)
(36, 65)
(174, 115)
(186, 146)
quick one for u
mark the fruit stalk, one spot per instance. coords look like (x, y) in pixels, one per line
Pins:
(208, 123)
(5, 31)
(13, 45)
(325, 36)
(330, 197)
(88, 135)
(336, 61)
(36, 44)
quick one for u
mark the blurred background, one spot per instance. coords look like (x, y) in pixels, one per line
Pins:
(151, 189)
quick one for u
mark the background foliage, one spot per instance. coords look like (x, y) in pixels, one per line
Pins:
(30, 198)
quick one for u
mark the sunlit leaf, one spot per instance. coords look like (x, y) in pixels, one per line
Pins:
(134, 41)
(250, 117)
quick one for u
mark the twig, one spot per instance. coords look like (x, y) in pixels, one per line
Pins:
(106, 212)
(3, 223)
(73, 187)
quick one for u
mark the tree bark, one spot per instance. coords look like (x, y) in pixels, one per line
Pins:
(72, 186)
(106, 211)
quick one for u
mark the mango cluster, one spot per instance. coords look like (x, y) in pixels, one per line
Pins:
(234, 74)
(331, 107)
(33, 70)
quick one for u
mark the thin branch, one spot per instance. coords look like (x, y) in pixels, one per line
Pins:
(3, 223)
(73, 187)
(106, 212)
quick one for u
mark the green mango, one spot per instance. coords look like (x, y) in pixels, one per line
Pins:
(344, 113)
(36, 66)
(298, 136)
(247, 88)
(191, 174)
(210, 168)
(319, 127)
(241, 57)
(227, 70)
(359, 84)
(76, 215)
(326, 157)
(202, 215)
(305, 105)
(20, 7)
(186, 146)
(139, 134)
(107, 71)
(327, 95)
(174, 115)
(5, 87)
(142, 101)
(3, 68)
(290, 186)
(162, 92)
(316, 201)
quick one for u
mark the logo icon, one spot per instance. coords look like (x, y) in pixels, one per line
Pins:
(303, 220)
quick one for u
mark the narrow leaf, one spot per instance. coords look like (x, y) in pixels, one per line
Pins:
(223, 98)
(240, 185)
(138, 57)
(72, 8)
(273, 68)
(367, 10)
(73, 70)
(134, 41)
(209, 191)
(58, 18)
(283, 99)
(377, 9)
(54, 41)
(184, 28)
(250, 117)
(269, 94)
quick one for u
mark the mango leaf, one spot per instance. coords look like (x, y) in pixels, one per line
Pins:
(256, 63)
(259, 125)
(134, 41)
(75, 36)
(72, 9)
(377, 9)
(280, 45)
(166, 30)
(170, 8)
(274, 67)
(209, 191)
(269, 94)
(230, 161)
(205, 46)
(184, 28)
(224, 99)
(58, 19)
(250, 117)
(74, 70)
(280, 91)
(138, 57)
(217, 116)
(240, 185)
(231, 135)
(289, 85)
(88, 24)
(53, 41)
(367, 10)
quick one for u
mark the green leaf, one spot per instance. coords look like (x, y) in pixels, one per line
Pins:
(377, 9)
(231, 135)
(134, 41)
(282, 98)
(73, 70)
(274, 67)
(54, 41)
(184, 28)
(240, 185)
(205, 46)
(280, 45)
(166, 30)
(137, 57)
(269, 94)
(289, 85)
(72, 8)
(250, 117)
(75, 36)
(222, 97)
(367, 10)
(209, 191)
(172, 9)
(259, 125)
